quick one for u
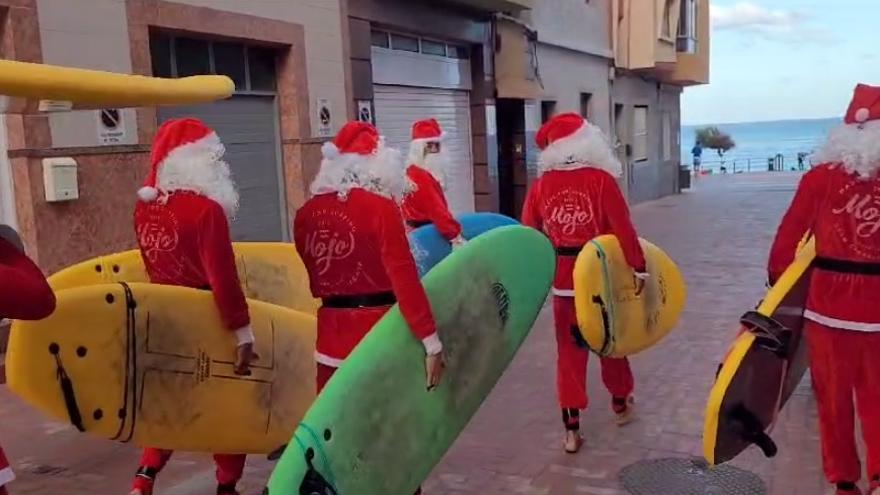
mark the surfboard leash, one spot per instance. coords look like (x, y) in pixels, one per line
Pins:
(609, 296)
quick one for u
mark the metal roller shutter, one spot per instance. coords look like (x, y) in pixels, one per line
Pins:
(247, 127)
(397, 107)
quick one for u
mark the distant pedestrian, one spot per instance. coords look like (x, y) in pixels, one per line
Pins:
(697, 152)
(800, 157)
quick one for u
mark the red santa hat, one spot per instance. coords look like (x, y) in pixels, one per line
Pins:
(568, 142)
(358, 157)
(427, 131)
(856, 144)
(177, 142)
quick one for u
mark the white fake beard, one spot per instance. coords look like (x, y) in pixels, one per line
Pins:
(209, 176)
(381, 173)
(855, 148)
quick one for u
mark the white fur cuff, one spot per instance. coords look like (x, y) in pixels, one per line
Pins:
(458, 242)
(432, 344)
(244, 335)
(643, 275)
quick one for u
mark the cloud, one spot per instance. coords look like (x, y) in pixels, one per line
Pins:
(748, 16)
(779, 25)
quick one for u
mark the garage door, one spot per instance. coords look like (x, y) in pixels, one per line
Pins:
(397, 107)
(247, 126)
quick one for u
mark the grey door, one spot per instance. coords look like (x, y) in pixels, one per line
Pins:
(247, 126)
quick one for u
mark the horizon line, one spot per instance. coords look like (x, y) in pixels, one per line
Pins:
(759, 121)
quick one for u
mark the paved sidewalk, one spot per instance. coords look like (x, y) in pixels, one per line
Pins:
(719, 233)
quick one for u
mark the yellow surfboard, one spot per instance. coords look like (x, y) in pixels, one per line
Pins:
(762, 368)
(153, 365)
(613, 320)
(271, 272)
(78, 89)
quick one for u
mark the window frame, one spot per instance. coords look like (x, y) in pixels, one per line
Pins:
(172, 37)
(640, 143)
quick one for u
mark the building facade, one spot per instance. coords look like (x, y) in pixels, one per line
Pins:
(489, 70)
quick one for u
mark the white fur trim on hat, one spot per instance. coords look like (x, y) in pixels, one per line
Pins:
(586, 148)
(148, 194)
(855, 147)
(862, 115)
(382, 173)
(329, 150)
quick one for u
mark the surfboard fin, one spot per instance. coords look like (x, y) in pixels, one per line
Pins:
(751, 430)
(770, 334)
(313, 483)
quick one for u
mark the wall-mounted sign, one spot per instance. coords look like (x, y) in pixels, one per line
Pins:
(365, 111)
(111, 128)
(325, 117)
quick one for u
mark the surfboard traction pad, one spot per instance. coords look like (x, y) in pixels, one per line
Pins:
(677, 476)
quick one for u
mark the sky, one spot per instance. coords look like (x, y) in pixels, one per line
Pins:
(785, 59)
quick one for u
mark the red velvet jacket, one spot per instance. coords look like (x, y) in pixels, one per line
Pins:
(427, 203)
(843, 213)
(24, 292)
(185, 241)
(358, 247)
(574, 206)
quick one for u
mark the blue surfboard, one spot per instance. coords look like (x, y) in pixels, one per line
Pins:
(429, 247)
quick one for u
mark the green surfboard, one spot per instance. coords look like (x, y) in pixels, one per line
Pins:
(375, 429)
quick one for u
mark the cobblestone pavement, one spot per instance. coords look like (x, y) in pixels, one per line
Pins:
(719, 233)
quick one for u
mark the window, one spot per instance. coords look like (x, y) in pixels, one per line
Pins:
(261, 66)
(459, 52)
(405, 43)
(192, 57)
(666, 27)
(548, 110)
(433, 48)
(640, 133)
(667, 136)
(687, 27)
(251, 68)
(585, 105)
(380, 39)
(229, 61)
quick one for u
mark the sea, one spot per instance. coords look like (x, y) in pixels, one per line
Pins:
(780, 140)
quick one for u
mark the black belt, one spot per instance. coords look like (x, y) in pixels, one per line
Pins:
(847, 266)
(418, 223)
(377, 300)
(568, 250)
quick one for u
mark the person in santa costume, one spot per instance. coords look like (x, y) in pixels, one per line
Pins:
(182, 227)
(24, 295)
(575, 199)
(424, 202)
(838, 201)
(352, 239)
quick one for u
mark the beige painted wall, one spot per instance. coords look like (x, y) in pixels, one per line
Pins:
(575, 24)
(694, 67)
(89, 34)
(324, 49)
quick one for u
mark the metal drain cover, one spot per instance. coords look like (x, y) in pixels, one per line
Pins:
(688, 477)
